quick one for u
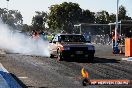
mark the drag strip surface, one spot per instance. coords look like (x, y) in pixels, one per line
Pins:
(42, 72)
(39, 71)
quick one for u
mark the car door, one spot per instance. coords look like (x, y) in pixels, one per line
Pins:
(54, 45)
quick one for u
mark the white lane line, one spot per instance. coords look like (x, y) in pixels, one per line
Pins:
(127, 59)
(22, 77)
(124, 58)
(34, 64)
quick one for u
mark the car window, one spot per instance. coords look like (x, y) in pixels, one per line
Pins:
(72, 38)
(55, 38)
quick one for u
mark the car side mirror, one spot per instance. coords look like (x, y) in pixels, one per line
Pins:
(54, 41)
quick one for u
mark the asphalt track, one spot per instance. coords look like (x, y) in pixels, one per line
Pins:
(41, 72)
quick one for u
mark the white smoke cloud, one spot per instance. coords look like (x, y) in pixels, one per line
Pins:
(16, 42)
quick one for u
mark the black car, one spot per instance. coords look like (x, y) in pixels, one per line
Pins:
(71, 45)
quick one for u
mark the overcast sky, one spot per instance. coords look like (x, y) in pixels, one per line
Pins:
(28, 7)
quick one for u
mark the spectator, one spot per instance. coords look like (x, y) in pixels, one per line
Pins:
(35, 34)
(43, 35)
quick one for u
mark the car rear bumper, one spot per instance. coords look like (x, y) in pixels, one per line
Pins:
(66, 53)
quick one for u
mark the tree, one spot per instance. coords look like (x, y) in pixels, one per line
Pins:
(18, 18)
(126, 30)
(64, 16)
(26, 28)
(102, 17)
(112, 18)
(87, 17)
(11, 17)
(122, 13)
(39, 20)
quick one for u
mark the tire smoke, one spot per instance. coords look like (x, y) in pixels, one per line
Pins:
(16, 42)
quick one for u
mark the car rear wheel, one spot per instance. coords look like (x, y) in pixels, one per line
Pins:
(51, 56)
(91, 57)
(59, 55)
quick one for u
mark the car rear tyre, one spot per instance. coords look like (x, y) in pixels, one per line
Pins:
(91, 57)
(59, 56)
(51, 56)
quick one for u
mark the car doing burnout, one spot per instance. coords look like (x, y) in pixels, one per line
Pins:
(71, 45)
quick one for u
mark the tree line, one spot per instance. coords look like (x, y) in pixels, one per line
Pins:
(62, 17)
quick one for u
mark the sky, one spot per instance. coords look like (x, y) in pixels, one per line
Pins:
(28, 7)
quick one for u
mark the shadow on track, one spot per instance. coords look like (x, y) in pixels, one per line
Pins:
(105, 60)
(96, 60)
